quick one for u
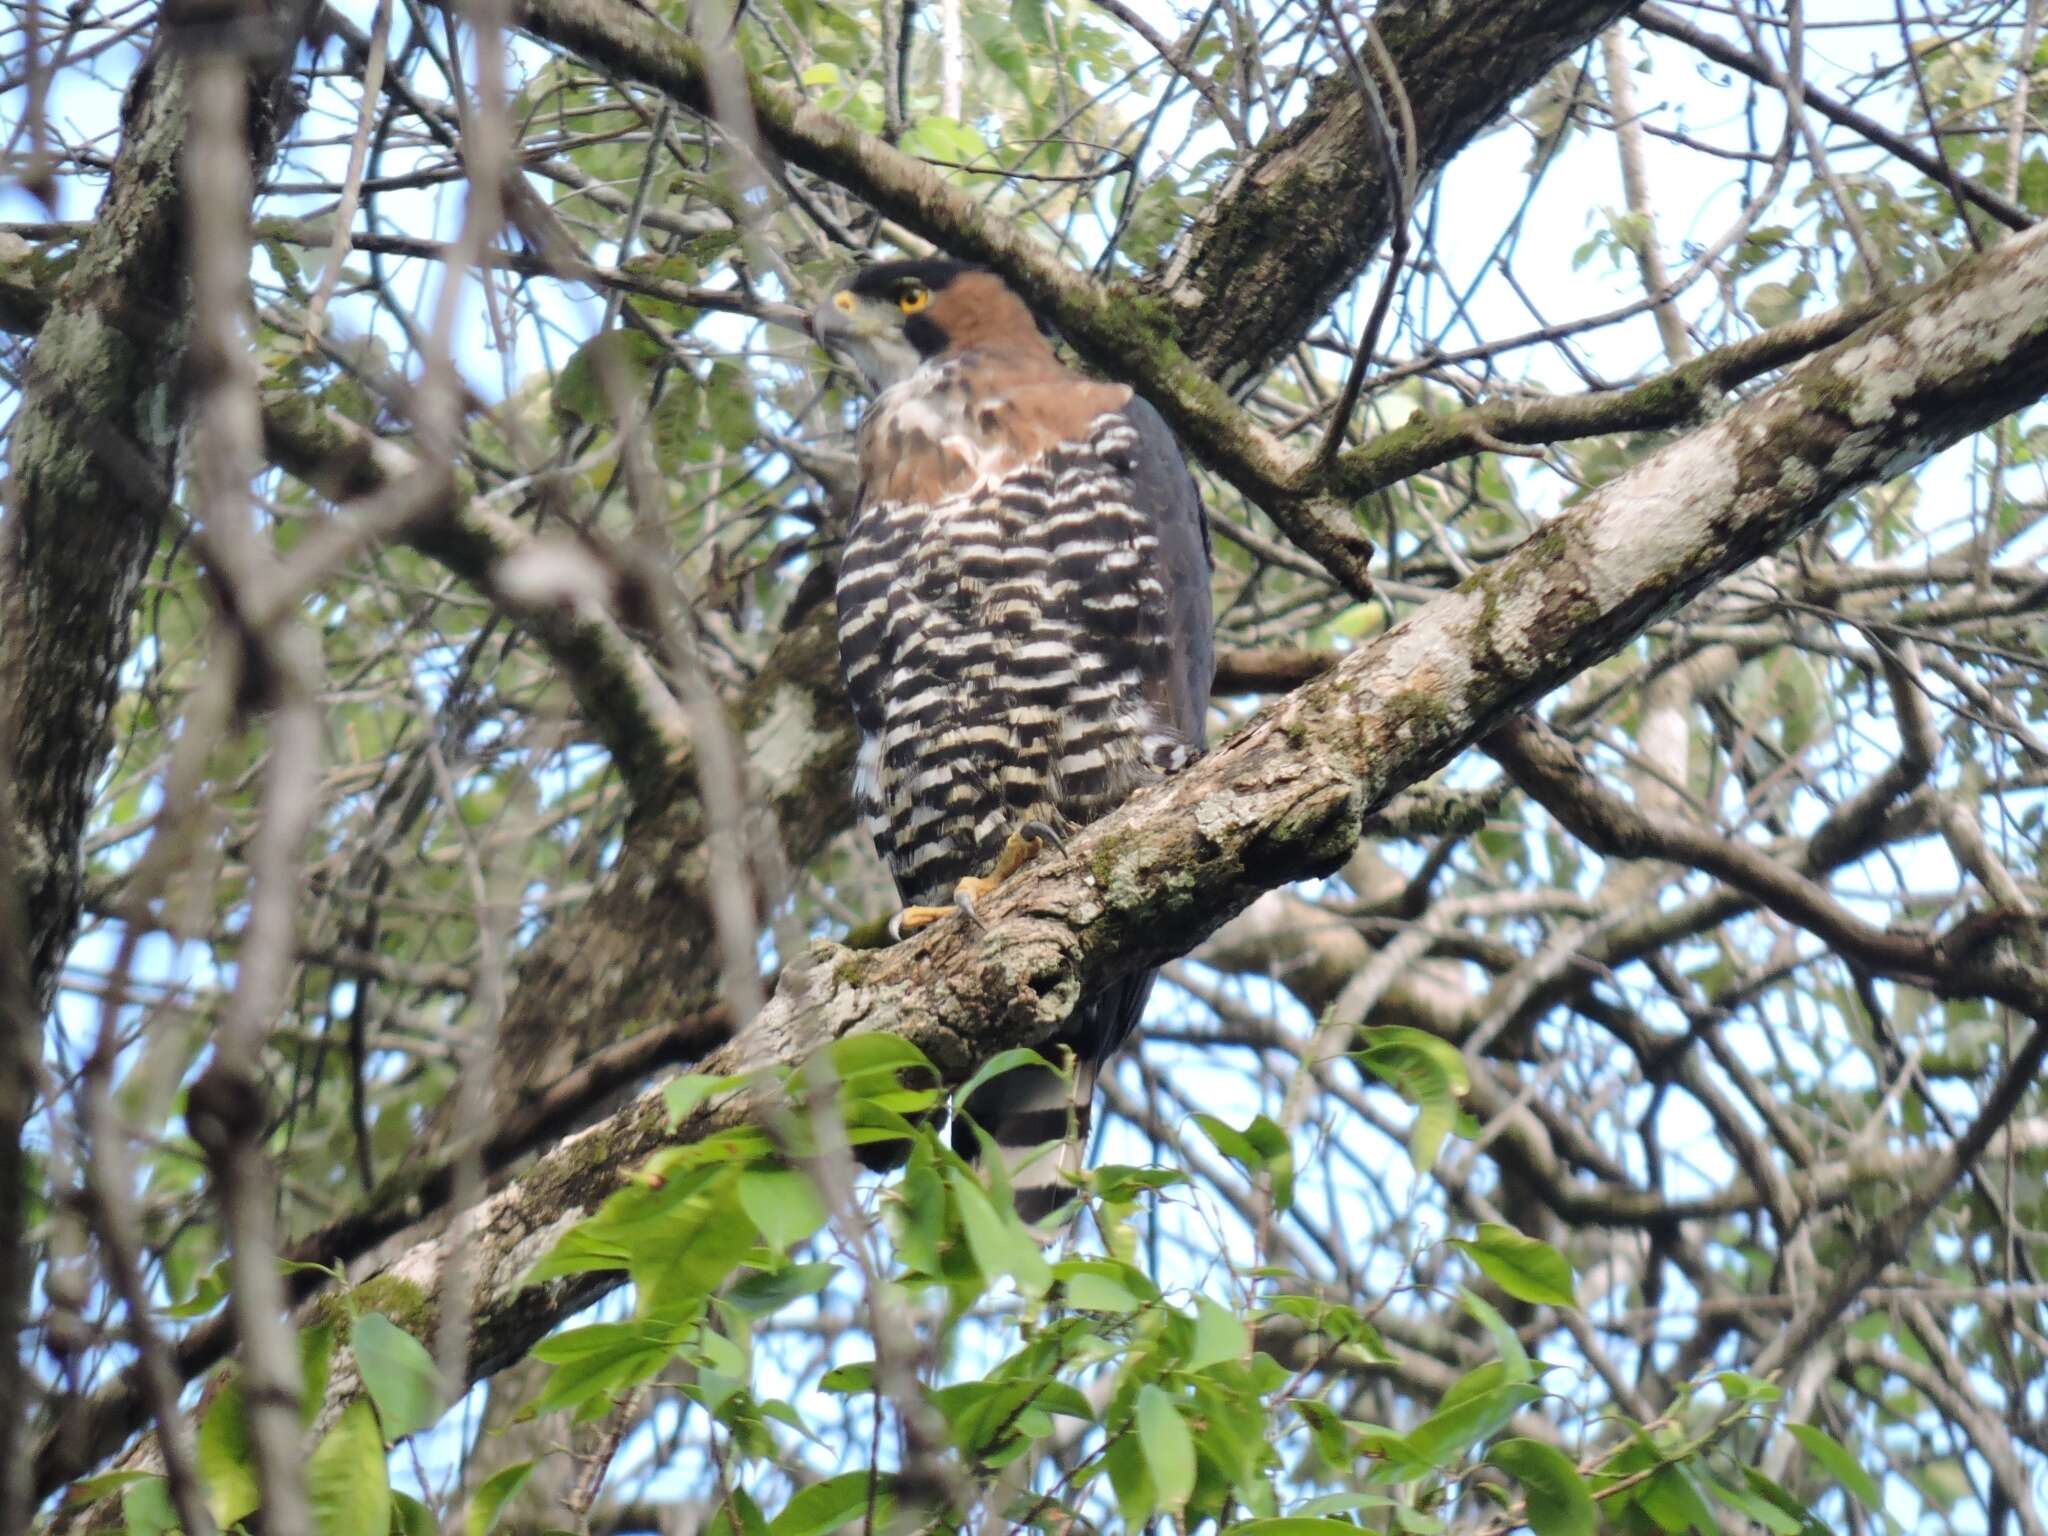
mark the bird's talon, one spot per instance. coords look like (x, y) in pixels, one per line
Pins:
(1040, 832)
(964, 899)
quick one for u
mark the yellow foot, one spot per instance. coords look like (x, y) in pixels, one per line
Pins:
(1023, 845)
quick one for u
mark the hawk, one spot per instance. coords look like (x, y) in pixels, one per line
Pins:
(1024, 628)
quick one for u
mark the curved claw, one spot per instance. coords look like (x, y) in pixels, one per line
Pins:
(1044, 834)
(963, 902)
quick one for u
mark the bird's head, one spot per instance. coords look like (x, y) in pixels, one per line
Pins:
(890, 317)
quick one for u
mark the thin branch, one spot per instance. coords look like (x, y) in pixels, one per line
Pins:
(1656, 19)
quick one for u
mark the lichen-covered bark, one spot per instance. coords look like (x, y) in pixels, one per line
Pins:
(90, 460)
(1284, 798)
(1241, 294)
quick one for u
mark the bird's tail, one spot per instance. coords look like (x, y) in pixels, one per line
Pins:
(1040, 1119)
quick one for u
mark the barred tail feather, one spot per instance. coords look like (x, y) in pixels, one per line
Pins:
(1040, 1120)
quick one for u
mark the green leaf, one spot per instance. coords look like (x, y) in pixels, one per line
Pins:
(946, 139)
(345, 1480)
(1104, 1285)
(1783, 1502)
(1330, 1503)
(227, 1459)
(1000, 1244)
(409, 1517)
(683, 1094)
(398, 1373)
(211, 1290)
(1771, 304)
(1475, 1408)
(1124, 1459)
(877, 1051)
(1028, 17)
(1512, 1355)
(857, 1376)
(146, 1508)
(759, 1295)
(89, 1490)
(1092, 1292)
(620, 360)
(917, 1212)
(1760, 1510)
(828, 1505)
(1261, 1147)
(316, 1364)
(1220, 1335)
(1326, 1431)
(1301, 1525)
(1748, 1389)
(1003, 1061)
(490, 1500)
(1426, 1071)
(1670, 1499)
(1555, 1495)
(730, 398)
(600, 1359)
(783, 1203)
(1527, 1269)
(1169, 1448)
(688, 1256)
(994, 36)
(1840, 1465)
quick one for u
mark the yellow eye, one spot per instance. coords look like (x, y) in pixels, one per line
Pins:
(911, 300)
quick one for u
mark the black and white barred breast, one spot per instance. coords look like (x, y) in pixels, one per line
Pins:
(1009, 644)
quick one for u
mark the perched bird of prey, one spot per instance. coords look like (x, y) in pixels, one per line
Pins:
(1024, 627)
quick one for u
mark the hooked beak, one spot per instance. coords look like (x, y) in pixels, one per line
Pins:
(837, 321)
(867, 335)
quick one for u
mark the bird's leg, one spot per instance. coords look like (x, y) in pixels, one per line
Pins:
(1023, 845)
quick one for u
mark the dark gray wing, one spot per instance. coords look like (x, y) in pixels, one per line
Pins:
(1163, 488)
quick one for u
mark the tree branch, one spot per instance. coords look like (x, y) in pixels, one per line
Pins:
(559, 592)
(1545, 766)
